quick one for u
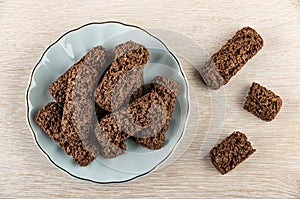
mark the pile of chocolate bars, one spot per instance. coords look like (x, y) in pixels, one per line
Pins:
(101, 101)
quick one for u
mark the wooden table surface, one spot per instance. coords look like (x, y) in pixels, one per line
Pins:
(28, 27)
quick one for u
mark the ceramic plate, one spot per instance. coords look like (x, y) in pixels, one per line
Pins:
(68, 49)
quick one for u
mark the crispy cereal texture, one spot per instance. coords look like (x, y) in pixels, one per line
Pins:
(113, 130)
(225, 63)
(49, 119)
(79, 108)
(231, 152)
(262, 102)
(58, 88)
(125, 76)
(167, 89)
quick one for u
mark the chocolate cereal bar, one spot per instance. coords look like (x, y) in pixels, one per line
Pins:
(59, 87)
(79, 107)
(49, 119)
(225, 63)
(113, 130)
(231, 152)
(167, 89)
(124, 76)
(262, 102)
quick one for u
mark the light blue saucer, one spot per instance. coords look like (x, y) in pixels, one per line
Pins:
(69, 48)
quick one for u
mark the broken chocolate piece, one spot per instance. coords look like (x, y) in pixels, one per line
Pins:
(231, 152)
(262, 102)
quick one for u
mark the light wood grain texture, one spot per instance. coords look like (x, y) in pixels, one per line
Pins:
(28, 27)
